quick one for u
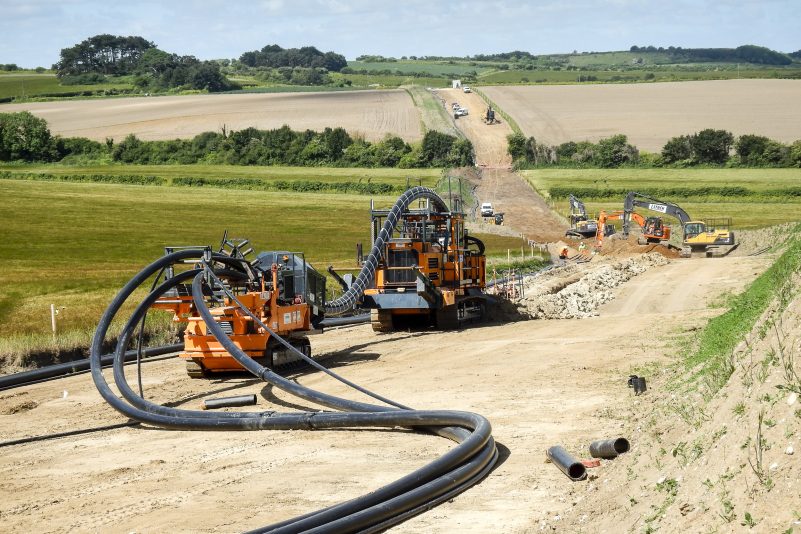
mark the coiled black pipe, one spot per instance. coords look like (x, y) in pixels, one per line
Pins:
(457, 470)
(349, 299)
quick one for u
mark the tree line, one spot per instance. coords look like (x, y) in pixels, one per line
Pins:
(27, 138)
(91, 60)
(743, 54)
(707, 147)
(274, 56)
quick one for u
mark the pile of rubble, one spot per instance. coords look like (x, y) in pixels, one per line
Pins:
(580, 294)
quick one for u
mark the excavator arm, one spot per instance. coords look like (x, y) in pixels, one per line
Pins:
(634, 199)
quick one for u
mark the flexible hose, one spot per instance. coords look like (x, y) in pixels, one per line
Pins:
(349, 299)
(455, 471)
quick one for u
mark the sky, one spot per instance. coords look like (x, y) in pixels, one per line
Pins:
(33, 32)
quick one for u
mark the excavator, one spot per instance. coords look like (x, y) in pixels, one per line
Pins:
(580, 225)
(697, 236)
(653, 228)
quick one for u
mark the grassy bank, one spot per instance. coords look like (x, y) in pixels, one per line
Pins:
(711, 358)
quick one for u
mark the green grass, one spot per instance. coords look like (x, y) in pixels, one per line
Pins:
(433, 68)
(756, 179)
(75, 244)
(711, 359)
(427, 177)
(661, 74)
(378, 81)
(746, 212)
(35, 85)
(433, 114)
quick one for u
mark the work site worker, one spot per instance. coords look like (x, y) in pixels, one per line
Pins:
(582, 247)
(563, 253)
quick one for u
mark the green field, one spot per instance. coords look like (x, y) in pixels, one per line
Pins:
(660, 74)
(20, 86)
(75, 244)
(433, 114)
(389, 80)
(433, 68)
(427, 177)
(746, 212)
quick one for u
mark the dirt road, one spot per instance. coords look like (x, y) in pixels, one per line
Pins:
(372, 114)
(539, 382)
(489, 141)
(523, 209)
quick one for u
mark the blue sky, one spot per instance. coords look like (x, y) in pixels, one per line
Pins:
(32, 32)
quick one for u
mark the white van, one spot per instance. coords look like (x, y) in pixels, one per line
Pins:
(486, 209)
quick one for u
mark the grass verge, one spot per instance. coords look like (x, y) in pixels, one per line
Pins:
(712, 357)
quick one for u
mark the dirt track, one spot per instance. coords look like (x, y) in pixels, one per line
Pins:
(651, 113)
(489, 141)
(539, 382)
(372, 114)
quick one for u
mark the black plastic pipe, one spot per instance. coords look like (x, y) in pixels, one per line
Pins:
(330, 322)
(77, 366)
(609, 448)
(574, 469)
(229, 402)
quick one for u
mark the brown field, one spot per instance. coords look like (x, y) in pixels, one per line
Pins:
(372, 114)
(650, 114)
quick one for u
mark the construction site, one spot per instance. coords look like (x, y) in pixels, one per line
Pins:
(433, 393)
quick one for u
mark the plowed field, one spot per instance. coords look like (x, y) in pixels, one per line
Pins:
(650, 114)
(372, 114)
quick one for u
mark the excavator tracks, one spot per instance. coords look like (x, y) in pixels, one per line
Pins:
(381, 320)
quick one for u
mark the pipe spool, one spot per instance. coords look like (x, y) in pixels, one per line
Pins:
(229, 402)
(609, 448)
(574, 469)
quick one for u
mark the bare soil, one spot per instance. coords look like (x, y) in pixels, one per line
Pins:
(371, 114)
(540, 382)
(651, 113)
(489, 141)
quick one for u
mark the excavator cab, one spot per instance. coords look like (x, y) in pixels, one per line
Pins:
(693, 229)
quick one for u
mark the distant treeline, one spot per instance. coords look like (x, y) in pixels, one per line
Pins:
(308, 56)
(742, 54)
(707, 147)
(25, 137)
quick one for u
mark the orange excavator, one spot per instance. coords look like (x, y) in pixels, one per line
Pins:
(654, 230)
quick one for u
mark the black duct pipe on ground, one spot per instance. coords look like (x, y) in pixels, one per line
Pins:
(229, 402)
(609, 448)
(443, 478)
(331, 322)
(78, 366)
(574, 469)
